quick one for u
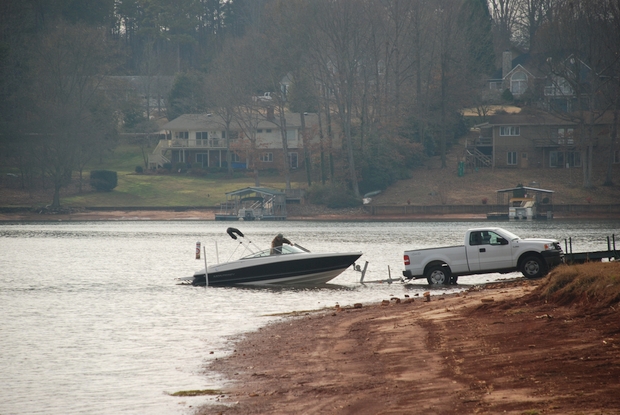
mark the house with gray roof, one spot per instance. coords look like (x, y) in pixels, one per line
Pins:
(206, 139)
(536, 139)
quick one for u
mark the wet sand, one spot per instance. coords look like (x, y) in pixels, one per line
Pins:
(493, 349)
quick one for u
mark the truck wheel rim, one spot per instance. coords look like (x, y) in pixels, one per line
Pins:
(438, 277)
(532, 267)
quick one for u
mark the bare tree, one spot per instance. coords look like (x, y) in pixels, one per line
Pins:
(68, 65)
(225, 87)
(450, 70)
(240, 72)
(504, 13)
(577, 59)
(340, 45)
(531, 15)
(610, 43)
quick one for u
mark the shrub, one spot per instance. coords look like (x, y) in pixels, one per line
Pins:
(198, 171)
(167, 166)
(507, 96)
(139, 169)
(103, 180)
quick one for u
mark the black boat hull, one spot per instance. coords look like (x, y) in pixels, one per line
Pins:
(298, 269)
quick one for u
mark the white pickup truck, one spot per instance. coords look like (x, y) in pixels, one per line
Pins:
(486, 250)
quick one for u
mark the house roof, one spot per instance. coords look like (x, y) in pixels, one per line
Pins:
(524, 61)
(533, 189)
(209, 122)
(195, 122)
(259, 190)
(536, 118)
(529, 118)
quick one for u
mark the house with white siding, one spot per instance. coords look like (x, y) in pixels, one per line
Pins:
(205, 139)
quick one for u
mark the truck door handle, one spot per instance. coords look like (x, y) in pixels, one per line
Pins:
(483, 249)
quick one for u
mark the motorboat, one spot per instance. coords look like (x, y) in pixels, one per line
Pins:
(285, 265)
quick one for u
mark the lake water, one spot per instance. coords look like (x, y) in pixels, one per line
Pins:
(92, 320)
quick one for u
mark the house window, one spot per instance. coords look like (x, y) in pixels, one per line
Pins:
(564, 159)
(268, 130)
(202, 135)
(266, 157)
(223, 134)
(293, 160)
(556, 159)
(559, 87)
(509, 130)
(495, 85)
(573, 158)
(512, 158)
(565, 136)
(234, 157)
(260, 130)
(202, 159)
(182, 134)
(518, 83)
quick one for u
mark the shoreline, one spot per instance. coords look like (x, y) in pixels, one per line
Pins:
(173, 214)
(492, 349)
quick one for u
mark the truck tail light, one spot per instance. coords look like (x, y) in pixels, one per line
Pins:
(407, 262)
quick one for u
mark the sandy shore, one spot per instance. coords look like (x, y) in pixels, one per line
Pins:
(489, 350)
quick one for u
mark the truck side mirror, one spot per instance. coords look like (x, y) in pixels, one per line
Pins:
(502, 241)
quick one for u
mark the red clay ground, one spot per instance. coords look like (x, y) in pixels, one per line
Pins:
(493, 350)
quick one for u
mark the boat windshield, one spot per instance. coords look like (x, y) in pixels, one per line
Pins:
(282, 250)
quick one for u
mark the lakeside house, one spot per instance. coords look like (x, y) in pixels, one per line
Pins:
(534, 139)
(254, 138)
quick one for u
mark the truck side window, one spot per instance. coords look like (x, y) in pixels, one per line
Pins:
(495, 239)
(475, 238)
(486, 238)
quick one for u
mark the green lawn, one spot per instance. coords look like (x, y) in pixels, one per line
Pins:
(160, 190)
(165, 190)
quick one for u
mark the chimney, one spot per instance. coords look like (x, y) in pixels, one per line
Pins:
(270, 114)
(506, 63)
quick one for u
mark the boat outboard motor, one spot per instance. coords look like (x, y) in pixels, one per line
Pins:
(233, 231)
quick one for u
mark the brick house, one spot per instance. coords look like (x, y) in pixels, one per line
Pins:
(540, 140)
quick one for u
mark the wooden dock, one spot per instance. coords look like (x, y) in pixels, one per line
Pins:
(611, 254)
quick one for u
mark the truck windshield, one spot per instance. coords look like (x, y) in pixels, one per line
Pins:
(510, 235)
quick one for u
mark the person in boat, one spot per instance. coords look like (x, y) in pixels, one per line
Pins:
(276, 244)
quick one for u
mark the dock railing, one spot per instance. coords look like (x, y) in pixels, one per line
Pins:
(611, 254)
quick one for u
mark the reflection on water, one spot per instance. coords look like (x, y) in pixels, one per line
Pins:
(93, 321)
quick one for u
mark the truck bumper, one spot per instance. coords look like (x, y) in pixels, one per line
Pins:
(407, 274)
(553, 258)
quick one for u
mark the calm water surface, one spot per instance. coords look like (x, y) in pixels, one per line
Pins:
(92, 320)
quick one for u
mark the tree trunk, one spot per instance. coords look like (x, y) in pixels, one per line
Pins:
(287, 173)
(612, 138)
(229, 169)
(322, 147)
(56, 200)
(305, 144)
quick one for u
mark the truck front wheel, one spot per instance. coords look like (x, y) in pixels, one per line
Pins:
(438, 275)
(533, 267)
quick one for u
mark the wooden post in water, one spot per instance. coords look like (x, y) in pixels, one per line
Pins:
(204, 251)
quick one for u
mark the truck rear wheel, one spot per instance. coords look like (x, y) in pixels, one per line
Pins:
(533, 267)
(438, 275)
